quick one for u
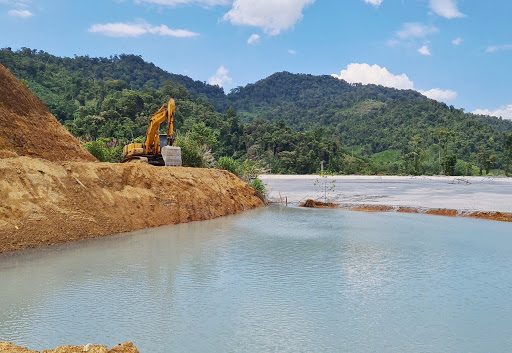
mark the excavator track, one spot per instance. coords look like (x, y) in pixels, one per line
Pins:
(145, 159)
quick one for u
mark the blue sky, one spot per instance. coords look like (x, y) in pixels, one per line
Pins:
(456, 51)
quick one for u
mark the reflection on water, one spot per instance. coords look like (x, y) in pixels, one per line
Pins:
(271, 280)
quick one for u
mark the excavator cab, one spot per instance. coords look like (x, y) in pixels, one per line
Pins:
(162, 141)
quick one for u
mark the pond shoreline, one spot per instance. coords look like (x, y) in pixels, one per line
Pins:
(472, 197)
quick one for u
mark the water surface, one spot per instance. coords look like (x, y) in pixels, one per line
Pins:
(271, 280)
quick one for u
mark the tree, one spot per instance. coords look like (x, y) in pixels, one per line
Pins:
(508, 151)
(449, 164)
(416, 155)
(443, 136)
(486, 160)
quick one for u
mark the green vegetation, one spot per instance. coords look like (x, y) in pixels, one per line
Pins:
(286, 123)
(258, 185)
(101, 150)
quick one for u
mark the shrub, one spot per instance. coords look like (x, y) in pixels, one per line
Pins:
(258, 185)
(190, 151)
(99, 150)
(105, 150)
(229, 164)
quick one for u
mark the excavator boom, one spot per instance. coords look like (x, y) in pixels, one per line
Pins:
(171, 113)
(165, 113)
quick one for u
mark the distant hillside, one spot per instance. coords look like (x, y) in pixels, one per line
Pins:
(288, 122)
(304, 100)
(52, 76)
(369, 117)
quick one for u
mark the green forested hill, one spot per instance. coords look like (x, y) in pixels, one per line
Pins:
(373, 119)
(291, 97)
(286, 123)
(65, 79)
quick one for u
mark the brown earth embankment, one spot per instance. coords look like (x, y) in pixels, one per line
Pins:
(46, 202)
(128, 347)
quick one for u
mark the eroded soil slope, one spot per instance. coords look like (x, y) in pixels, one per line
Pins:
(120, 348)
(27, 128)
(47, 202)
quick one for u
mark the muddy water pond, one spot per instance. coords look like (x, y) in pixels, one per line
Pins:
(271, 280)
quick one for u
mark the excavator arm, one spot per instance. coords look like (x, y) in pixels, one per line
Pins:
(171, 112)
(165, 113)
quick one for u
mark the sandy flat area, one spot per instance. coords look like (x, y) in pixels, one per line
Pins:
(423, 192)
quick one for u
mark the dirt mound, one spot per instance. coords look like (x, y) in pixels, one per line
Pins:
(27, 128)
(318, 204)
(47, 202)
(120, 348)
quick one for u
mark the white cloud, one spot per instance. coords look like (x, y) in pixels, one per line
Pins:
(20, 13)
(446, 8)
(253, 39)
(366, 74)
(273, 16)
(457, 41)
(138, 29)
(186, 2)
(416, 30)
(292, 52)
(375, 3)
(424, 50)
(504, 112)
(221, 77)
(393, 42)
(440, 94)
(496, 48)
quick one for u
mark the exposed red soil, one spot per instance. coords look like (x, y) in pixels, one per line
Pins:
(493, 216)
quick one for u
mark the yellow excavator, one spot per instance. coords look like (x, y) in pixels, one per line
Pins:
(151, 150)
